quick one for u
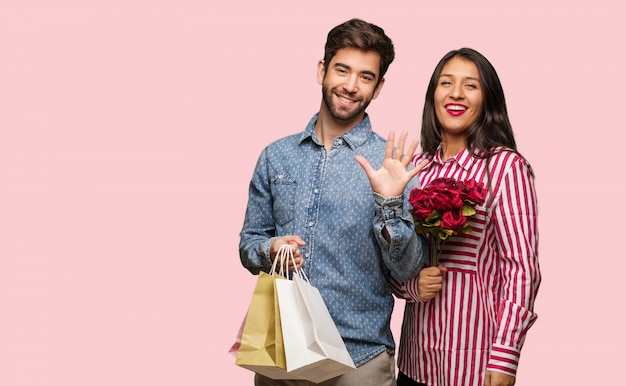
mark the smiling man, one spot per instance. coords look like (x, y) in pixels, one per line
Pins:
(348, 232)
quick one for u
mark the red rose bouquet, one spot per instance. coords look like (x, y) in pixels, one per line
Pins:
(442, 209)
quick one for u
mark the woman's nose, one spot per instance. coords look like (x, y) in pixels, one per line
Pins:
(457, 91)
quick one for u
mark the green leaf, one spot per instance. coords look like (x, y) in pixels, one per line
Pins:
(434, 215)
(466, 229)
(468, 210)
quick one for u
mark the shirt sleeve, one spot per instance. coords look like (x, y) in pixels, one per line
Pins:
(515, 224)
(406, 290)
(258, 230)
(405, 254)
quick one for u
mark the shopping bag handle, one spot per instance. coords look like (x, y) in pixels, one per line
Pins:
(284, 254)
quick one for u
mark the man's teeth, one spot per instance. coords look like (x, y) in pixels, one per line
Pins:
(346, 100)
(455, 107)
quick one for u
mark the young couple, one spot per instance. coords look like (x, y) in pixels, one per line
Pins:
(338, 193)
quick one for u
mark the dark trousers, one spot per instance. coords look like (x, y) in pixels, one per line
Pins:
(403, 380)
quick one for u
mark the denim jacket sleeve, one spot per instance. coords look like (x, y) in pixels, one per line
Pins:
(406, 252)
(258, 230)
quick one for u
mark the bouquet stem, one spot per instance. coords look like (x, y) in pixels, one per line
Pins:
(434, 247)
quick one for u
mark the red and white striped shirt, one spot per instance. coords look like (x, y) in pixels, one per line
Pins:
(480, 318)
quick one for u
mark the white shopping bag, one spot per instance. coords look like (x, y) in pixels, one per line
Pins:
(314, 350)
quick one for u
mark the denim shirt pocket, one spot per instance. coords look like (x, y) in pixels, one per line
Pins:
(284, 196)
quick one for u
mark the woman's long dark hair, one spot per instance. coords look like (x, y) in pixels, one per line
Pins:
(491, 130)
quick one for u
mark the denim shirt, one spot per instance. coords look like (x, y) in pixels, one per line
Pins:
(298, 188)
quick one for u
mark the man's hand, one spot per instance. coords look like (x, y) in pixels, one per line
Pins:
(295, 242)
(393, 175)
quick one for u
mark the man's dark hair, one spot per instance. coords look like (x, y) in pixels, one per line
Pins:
(365, 36)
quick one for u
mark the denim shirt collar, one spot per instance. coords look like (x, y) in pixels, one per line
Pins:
(355, 137)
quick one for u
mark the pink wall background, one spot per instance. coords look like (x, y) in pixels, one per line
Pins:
(129, 131)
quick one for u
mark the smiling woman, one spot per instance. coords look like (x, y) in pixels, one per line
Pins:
(458, 102)
(465, 325)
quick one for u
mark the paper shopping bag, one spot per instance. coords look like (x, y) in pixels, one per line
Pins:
(234, 349)
(314, 349)
(261, 348)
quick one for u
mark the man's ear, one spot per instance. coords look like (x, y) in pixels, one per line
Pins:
(379, 87)
(321, 71)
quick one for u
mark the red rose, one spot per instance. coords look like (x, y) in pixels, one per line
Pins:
(465, 188)
(477, 192)
(453, 219)
(415, 195)
(444, 183)
(421, 203)
(446, 199)
(472, 191)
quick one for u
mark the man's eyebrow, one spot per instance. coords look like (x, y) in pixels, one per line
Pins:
(342, 65)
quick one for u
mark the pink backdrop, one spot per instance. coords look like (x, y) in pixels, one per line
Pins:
(129, 131)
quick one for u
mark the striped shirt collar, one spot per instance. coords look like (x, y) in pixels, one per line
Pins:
(464, 158)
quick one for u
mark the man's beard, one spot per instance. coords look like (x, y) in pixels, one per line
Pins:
(341, 114)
